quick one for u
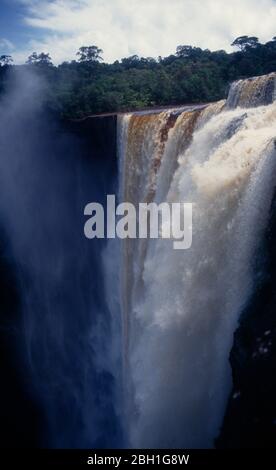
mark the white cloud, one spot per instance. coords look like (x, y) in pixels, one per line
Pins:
(144, 27)
(6, 45)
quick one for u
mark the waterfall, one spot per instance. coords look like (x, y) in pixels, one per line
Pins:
(254, 91)
(180, 309)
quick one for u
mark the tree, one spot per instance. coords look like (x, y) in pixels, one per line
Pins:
(6, 60)
(271, 44)
(132, 61)
(183, 51)
(39, 59)
(188, 51)
(89, 54)
(245, 42)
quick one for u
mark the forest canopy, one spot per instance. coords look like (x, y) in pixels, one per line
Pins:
(87, 85)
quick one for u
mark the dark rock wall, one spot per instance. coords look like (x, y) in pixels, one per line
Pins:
(250, 419)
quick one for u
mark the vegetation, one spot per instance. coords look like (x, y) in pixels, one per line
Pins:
(88, 85)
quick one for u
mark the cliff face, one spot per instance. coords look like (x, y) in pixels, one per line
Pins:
(98, 137)
(250, 419)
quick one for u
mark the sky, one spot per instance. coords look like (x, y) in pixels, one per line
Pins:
(121, 28)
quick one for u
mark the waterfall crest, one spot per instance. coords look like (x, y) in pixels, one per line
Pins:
(255, 91)
(180, 310)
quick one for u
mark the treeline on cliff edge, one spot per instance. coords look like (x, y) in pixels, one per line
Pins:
(192, 75)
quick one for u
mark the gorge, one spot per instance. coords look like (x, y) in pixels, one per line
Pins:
(127, 343)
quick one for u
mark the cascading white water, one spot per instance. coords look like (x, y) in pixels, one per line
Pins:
(254, 91)
(180, 309)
